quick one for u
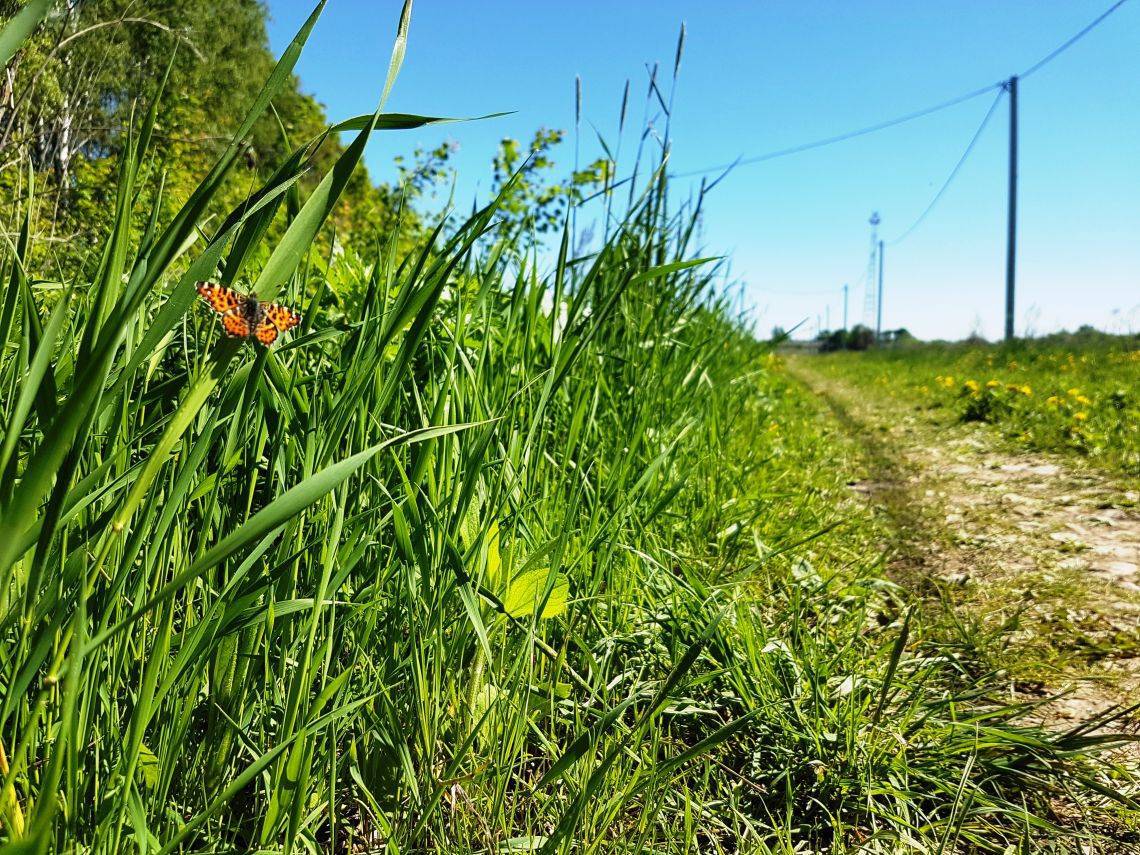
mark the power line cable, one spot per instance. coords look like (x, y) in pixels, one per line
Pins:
(1072, 41)
(953, 173)
(859, 132)
(909, 117)
(989, 114)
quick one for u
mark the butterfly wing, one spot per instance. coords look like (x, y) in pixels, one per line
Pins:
(230, 306)
(266, 333)
(235, 324)
(278, 319)
(220, 298)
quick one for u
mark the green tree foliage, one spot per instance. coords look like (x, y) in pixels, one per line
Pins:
(534, 202)
(858, 337)
(67, 101)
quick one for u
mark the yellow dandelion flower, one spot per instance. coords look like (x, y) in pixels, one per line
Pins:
(993, 384)
(972, 385)
(1081, 399)
(1080, 417)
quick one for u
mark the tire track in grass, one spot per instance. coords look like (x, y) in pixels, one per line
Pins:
(1036, 559)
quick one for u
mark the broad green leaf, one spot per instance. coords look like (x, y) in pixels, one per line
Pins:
(673, 267)
(529, 843)
(469, 525)
(147, 766)
(494, 557)
(525, 593)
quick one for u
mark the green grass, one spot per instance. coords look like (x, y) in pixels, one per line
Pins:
(487, 557)
(1073, 394)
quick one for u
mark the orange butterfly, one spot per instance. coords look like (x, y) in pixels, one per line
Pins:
(243, 316)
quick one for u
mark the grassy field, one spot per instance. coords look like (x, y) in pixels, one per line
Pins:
(1066, 393)
(486, 556)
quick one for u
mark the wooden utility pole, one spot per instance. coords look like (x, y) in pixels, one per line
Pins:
(879, 313)
(1011, 237)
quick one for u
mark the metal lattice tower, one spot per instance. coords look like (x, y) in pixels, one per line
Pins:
(870, 302)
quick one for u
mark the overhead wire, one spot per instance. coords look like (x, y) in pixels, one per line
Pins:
(838, 138)
(899, 120)
(1052, 55)
(1048, 58)
(953, 174)
(1001, 87)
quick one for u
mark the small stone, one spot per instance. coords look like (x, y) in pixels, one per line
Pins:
(1120, 569)
(1073, 563)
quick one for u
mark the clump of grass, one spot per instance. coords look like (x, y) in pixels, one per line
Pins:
(487, 558)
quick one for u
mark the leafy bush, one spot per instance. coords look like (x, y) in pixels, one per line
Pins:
(858, 337)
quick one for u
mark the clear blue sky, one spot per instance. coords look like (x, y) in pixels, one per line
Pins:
(758, 76)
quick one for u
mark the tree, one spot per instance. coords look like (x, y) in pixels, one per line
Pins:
(533, 201)
(67, 100)
(858, 337)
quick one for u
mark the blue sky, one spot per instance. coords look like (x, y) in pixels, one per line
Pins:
(759, 76)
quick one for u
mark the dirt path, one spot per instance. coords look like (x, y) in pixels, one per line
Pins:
(1015, 540)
